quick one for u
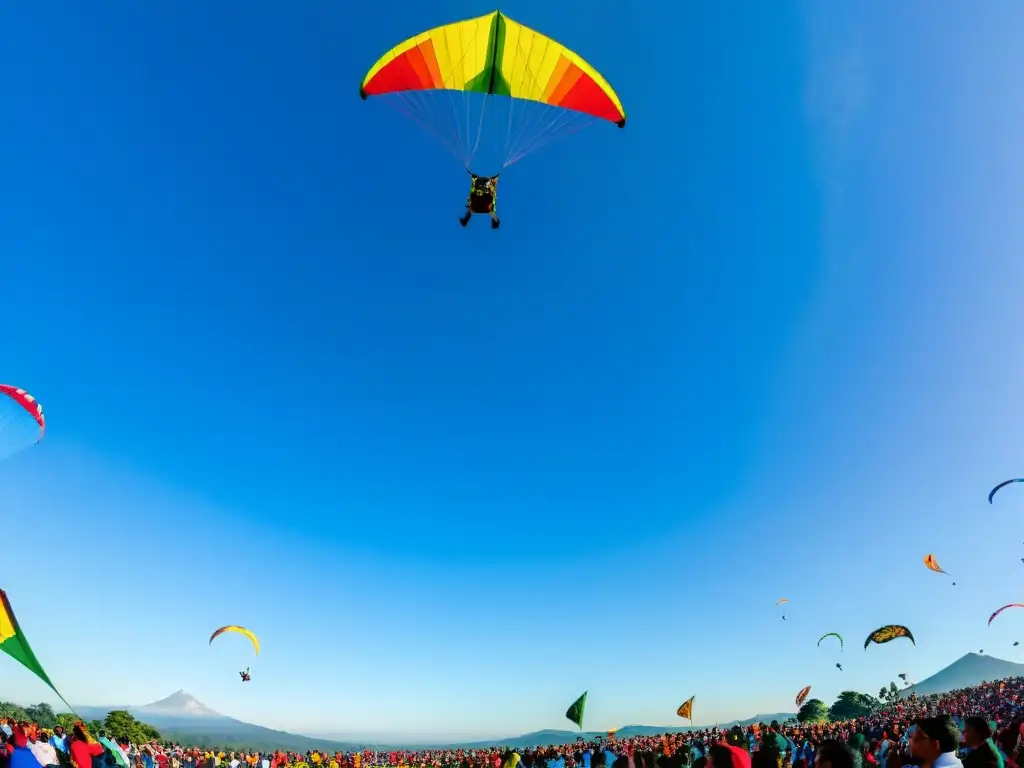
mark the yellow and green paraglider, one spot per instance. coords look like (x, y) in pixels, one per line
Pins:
(888, 633)
(491, 91)
(242, 631)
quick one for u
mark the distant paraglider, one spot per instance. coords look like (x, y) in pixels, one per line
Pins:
(933, 565)
(836, 635)
(887, 634)
(246, 677)
(21, 420)
(782, 601)
(1000, 610)
(240, 630)
(801, 697)
(992, 493)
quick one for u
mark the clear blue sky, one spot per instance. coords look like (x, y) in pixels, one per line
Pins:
(769, 345)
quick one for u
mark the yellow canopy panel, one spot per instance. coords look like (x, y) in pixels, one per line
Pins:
(240, 630)
(493, 54)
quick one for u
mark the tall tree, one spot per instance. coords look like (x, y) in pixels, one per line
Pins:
(851, 704)
(813, 711)
(120, 724)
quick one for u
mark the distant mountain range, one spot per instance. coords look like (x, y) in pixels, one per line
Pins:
(537, 738)
(967, 671)
(183, 718)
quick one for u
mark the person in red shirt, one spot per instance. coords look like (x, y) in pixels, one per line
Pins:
(82, 749)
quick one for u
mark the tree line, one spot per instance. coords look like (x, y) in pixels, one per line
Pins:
(849, 705)
(118, 724)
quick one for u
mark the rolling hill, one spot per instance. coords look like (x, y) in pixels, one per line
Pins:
(183, 718)
(969, 670)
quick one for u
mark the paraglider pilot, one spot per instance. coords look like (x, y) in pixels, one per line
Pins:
(245, 675)
(483, 198)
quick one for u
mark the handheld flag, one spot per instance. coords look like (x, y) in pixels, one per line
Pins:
(575, 712)
(686, 709)
(14, 643)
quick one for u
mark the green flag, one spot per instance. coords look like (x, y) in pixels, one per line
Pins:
(14, 643)
(575, 712)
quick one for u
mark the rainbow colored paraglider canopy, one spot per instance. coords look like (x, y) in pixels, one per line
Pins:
(493, 54)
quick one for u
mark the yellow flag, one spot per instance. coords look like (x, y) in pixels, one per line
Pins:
(686, 709)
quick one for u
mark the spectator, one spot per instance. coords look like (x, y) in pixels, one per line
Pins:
(59, 739)
(978, 738)
(81, 748)
(935, 741)
(44, 751)
(836, 754)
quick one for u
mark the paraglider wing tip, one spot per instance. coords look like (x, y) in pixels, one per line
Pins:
(621, 123)
(362, 93)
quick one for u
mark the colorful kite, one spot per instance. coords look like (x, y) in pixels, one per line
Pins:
(686, 709)
(887, 634)
(802, 696)
(575, 711)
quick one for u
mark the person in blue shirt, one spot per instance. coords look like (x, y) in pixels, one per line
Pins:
(59, 739)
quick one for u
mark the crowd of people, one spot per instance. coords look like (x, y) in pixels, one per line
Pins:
(981, 727)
